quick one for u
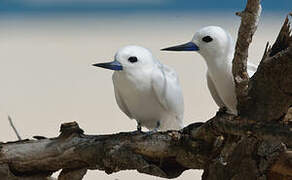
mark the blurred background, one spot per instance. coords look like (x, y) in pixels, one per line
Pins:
(48, 46)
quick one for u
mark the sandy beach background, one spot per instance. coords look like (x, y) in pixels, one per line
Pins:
(46, 77)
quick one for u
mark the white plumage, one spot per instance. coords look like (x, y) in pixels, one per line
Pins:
(217, 48)
(147, 90)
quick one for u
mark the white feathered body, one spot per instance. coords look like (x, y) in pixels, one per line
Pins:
(218, 54)
(220, 77)
(217, 48)
(150, 95)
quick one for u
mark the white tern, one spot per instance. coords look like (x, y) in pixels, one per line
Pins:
(217, 48)
(146, 90)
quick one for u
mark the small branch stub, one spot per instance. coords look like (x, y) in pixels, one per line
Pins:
(14, 128)
(70, 128)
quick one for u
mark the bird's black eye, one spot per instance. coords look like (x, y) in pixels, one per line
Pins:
(207, 39)
(133, 59)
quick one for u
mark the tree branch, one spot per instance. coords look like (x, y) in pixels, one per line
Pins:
(163, 154)
(228, 124)
(249, 21)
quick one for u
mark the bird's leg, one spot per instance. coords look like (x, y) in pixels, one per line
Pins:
(155, 129)
(157, 126)
(139, 128)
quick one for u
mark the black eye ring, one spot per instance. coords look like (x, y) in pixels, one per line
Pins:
(207, 39)
(132, 59)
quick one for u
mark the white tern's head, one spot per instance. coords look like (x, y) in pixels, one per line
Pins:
(211, 42)
(130, 58)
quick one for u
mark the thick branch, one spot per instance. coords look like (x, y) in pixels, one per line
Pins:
(249, 21)
(228, 124)
(164, 154)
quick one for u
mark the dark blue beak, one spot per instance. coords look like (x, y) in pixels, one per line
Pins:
(190, 46)
(114, 65)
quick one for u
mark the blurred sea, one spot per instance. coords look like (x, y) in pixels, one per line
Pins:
(130, 6)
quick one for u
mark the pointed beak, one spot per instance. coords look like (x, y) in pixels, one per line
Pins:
(190, 46)
(114, 65)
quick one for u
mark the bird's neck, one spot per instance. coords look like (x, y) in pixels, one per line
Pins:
(219, 65)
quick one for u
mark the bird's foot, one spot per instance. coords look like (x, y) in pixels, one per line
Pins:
(154, 130)
(139, 129)
(135, 132)
(149, 133)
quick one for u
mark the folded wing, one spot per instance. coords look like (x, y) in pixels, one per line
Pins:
(166, 87)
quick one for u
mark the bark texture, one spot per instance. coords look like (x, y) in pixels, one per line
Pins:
(257, 144)
(249, 22)
(163, 154)
(271, 86)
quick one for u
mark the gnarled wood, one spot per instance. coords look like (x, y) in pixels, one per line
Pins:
(249, 22)
(271, 86)
(164, 154)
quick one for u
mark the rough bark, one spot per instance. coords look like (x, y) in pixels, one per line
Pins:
(260, 155)
(286, 160)
(270, 94)
(249, 22)
(164, 154)
(257, 144)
